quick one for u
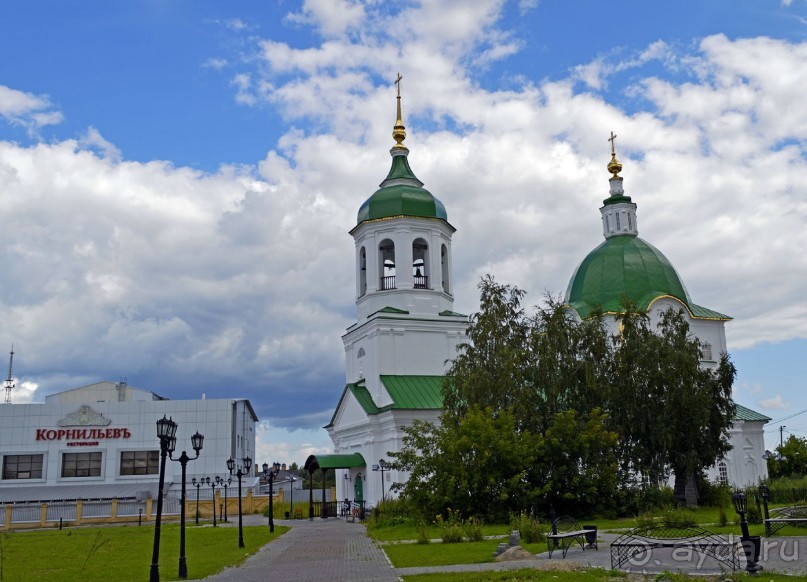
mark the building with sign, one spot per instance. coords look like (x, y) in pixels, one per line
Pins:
(99, 441)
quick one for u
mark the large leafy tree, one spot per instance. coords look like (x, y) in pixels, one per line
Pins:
(545, 409)
(671, 413)
(471, 463)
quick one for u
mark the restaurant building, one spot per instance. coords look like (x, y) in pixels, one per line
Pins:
(100, 442)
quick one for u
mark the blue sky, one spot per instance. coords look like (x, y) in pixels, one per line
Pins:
(177, 178)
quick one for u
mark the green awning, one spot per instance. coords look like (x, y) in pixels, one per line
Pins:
(314, 462)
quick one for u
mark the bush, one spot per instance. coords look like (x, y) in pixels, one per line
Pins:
(527, 526)
(753, 514)
(423, 533)
(473, 529)
(451, 528)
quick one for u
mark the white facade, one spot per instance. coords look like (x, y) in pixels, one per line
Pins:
(744, 465)
(104, 436)
(405, 328)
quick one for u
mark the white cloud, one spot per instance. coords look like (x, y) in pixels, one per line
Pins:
(93, 140)
(330, 17)
(27, 110)
(125, 268)
(215, 63)
(775, 403)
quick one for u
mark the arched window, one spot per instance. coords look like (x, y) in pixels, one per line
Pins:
(386, 255)
(444, 267)
(362, 272)
(723, 473)
(420, 263)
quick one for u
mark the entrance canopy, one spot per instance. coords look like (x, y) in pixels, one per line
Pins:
(350, 461)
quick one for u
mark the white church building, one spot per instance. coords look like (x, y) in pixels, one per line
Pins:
(625, 266)
(406, 328)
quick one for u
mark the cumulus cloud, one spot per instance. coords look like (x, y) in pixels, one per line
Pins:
(240, 282)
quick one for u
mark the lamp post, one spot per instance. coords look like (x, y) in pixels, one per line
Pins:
(226, 484)
(751, 544)
(270, 473)
(213, 484)
(291, 496)
(166, 430)
(382, 466)
(240, 473)
(197, 485)
(197, 440)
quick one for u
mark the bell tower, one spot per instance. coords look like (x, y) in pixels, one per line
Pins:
(404, 289)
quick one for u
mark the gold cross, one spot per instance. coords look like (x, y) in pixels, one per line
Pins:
(398, 82)
(611, 139)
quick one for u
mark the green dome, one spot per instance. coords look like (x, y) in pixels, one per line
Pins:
(401, 194)
(623, 266)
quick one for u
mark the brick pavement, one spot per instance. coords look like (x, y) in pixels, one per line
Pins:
(314, 551)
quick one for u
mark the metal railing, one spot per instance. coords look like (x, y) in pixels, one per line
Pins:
(421, 282)
(388, 282)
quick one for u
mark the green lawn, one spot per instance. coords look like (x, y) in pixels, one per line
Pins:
(440, 554)
(123, 553)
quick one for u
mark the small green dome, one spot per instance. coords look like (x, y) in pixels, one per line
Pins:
(401, 194)
(623, 266)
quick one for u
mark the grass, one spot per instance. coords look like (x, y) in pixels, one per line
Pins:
(123, 553)
(440, 554)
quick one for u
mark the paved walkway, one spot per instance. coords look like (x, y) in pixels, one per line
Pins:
(333, 550)
(323, 550)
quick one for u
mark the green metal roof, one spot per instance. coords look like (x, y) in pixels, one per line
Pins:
(407, 393)
(743, 413)
(401, 194)
(314, 462)
(415, 392)
(628, 267)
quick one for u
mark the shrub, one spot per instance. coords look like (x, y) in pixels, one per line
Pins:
(753, 514)
(527, 526)
(423, 533)
(473, 529)
(450, 527)
(722, 518)
(679, 518)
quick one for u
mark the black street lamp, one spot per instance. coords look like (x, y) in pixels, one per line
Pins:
(240, 473)
(213, 484)
(751, 544)
(166, 430)
(226, 484)
(197, 485)
(291, 495)
(197, 440)
(382, 466)
(270, 474)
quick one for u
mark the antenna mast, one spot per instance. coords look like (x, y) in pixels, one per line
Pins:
(10, 381)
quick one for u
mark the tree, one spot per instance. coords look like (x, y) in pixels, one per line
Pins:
(471, 463)
(547, 409)
(670, 412)
(792, 458)
(490, 368)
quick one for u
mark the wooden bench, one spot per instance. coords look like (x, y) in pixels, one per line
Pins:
(633, 545)
(565, 532)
